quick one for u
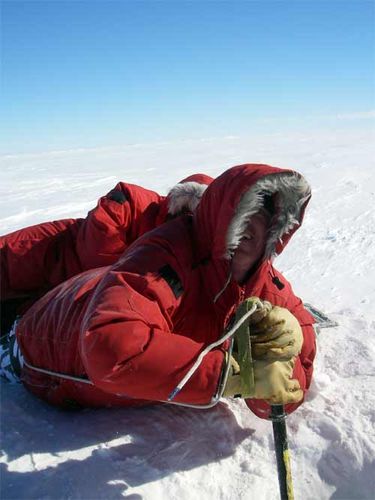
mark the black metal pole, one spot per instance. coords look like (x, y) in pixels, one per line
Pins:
(278, 417)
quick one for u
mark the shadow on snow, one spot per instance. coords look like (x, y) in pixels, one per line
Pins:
(155, 442)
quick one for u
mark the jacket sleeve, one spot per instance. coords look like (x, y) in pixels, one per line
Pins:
(127, 342)
(303, 368)
(102, 237)
(36, 258)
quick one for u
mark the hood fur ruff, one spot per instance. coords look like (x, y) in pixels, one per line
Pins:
(185, 196)
(292, 193)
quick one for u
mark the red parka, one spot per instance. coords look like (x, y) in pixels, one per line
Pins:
(133, 330)
(37, 258)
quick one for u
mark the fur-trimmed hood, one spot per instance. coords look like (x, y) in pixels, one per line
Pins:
(237, 194)
(185, 196)
(290, 193)
(229, 202)
(182, 198)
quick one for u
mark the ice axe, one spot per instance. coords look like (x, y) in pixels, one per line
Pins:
(278, 414)
(278, 418)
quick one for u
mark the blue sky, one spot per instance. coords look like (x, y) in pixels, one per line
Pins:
(97, 73)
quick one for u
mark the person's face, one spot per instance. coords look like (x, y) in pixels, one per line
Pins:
(251, 247)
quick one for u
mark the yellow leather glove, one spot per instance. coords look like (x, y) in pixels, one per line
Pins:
(272, 382)
(275, 337)
(233, 386)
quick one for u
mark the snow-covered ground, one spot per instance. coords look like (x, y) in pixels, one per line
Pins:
(168, 452)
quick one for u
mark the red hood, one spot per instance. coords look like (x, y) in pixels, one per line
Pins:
(228, 204)
(199, 178)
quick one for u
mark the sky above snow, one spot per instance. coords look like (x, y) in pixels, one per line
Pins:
(96, 73)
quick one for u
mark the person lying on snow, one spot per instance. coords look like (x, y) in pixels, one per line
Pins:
(37, 258)
(126, 335)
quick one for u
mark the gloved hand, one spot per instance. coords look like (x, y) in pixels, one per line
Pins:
(276, 339)
(272, 382)
(275, 336)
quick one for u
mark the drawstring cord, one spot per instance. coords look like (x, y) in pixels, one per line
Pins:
(224, 287)
(17, 354)
(209, 348)
(57, 374)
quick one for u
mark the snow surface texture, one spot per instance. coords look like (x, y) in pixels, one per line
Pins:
(169, 452)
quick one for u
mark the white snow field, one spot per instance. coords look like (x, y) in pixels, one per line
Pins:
(168, 452)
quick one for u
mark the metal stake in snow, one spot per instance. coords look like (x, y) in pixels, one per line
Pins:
(278, 417)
